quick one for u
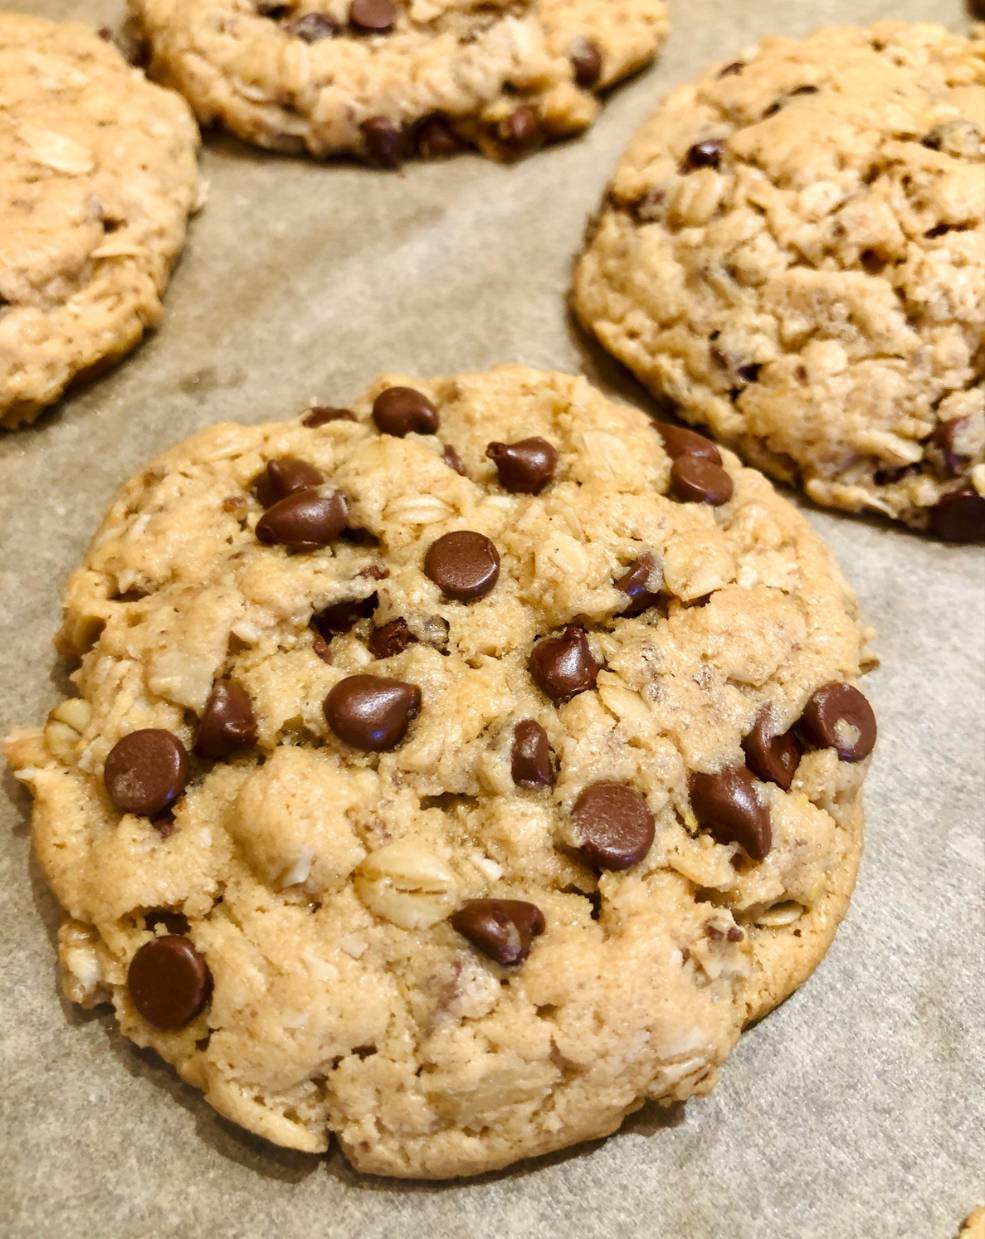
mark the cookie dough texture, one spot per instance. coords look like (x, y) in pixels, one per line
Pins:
(810, 283)
(317, 880)
(98, 175)
(249, 66)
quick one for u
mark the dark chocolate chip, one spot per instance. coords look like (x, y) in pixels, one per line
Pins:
(525, 467)
(774, 758)
(283, 477)
(531, 763)
(613, 826)
(340, 617)
(839, 717)
(372, 16)
(959, 516)
(401, 411)
(749, 373)
(500, 928)
(391, 639)
(305, 520)
(169, 981)
(564, 666)
(586, 60)
(371, 713)
(312, 27)
(679, 441)
(464, 565)
(173, 922)
(228, 723)
(521, 130)
(436, 139)
(146, 771)
(945, 440)
(452, 459)
(696, 480)
(320, 414)
(634, 583)
(727, 807)
(386, 142)
(707, 154)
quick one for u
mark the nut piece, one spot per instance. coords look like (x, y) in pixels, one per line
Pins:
(408, 884)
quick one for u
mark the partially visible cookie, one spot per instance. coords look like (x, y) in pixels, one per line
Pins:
(974, 1225)
(793, 252)
(385, 79)
(98, 175)
(453, 773)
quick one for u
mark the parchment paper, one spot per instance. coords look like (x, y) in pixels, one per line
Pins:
(854, 1110)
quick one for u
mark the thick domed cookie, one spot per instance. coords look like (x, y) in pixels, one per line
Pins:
(793, 252)
(98, 176)
(388, 79)
(464, 817)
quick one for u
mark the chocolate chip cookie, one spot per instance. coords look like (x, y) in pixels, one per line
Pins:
(98, 175)
(453, 772)
(793, 252)
(388, 79)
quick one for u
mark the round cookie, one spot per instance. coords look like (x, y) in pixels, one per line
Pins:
(793, 252)
(446, 774)
(385, 79)
(98, 174)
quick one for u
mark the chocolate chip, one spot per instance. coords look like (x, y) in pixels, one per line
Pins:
(727, 807)
(340, 617)
(749, 373)
(525, 467)
(945, 440)
(386, 143)
(679, 441)
(613, 826)
(839, 717)
(146, 771)
(436, 139)
(371, 713)
(391, 639)
(169, 981)
(564, 666)
(959, 516)
(696, 480)
(586, 60)
(401, 411)
(464, 565)
(283, 477)
(500, 928)
(305, 520)
(521, 130)
(372, 16)
(774, 758)
(173, 922)
(735, 67)
(452, 459)
(311, 27)
(706, 154)
(227, 724)
(531, 763)
(634, 583)
(320, 415)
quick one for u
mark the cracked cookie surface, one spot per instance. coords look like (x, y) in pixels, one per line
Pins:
(98, 177)
(793, 252)
(385, 80)
(451, 774)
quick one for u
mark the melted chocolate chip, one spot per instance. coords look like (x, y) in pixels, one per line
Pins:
(452, 459)
(727, 807)
(503, 929)
(283, 477)
(372, 16)
(520, 131)
(401, 411)
(305, 520)
(386, 142)
(464, 565)
(564, 666)
(169, 982)
(707, 154)
(839, 717)
(679, 441)
(945, 440)
(371, 713)
(436, 139)
(634, 583)
(959, 516)
(696, 480)
(340, 617)
(525, 467)
(774, 758)
(146, 771)
(614, 827)
(312, 27)
(531, 764)
(227, 724)
(586, 60)
(321, 414)
(391, 639)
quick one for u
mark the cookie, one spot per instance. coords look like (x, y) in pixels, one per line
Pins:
(452, 773)
(973, 1226)
(98, 174)
(793, 253)
(386, 79)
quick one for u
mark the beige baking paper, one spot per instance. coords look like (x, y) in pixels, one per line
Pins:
(853, 1111)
